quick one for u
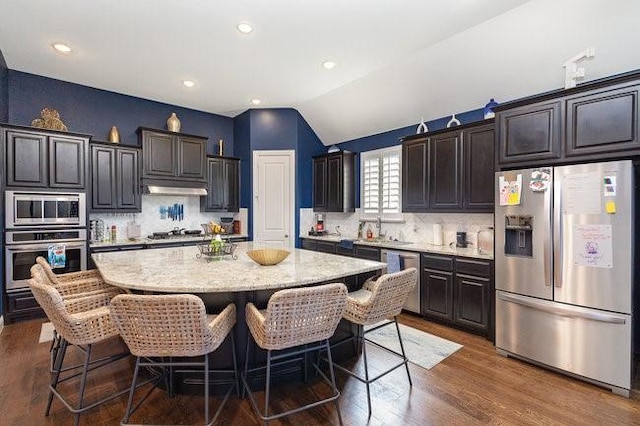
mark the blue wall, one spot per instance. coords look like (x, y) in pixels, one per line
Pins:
(93, 111)
(4, 90)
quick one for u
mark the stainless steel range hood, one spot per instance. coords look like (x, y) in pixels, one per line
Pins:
(174, 190)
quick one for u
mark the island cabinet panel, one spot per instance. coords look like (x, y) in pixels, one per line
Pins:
(224, 185)
(478, 151)
(450, 170)
(169, 155)
(334, 182)
(603, 121)
(115, 179)
(445, 171)
(41, 159)
(530, 132)
(458, 291)
(415, 175)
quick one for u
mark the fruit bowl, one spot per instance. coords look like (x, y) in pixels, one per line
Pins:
(268, 256)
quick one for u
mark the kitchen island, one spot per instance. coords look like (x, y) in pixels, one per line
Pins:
(219, 282)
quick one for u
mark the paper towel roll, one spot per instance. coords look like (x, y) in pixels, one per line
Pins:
(437, 234)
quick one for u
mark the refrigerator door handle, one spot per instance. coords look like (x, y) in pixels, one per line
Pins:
(562, 311)
(557, 231)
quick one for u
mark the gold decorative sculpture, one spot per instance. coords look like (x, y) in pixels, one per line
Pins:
(50, 120)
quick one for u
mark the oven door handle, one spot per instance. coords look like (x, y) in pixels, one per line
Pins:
(23, 247)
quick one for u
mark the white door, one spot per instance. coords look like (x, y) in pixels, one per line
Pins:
(274, 197)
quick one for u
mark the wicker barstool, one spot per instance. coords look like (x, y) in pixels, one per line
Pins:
(175, 325)
(379, 301)
(80, 322)
(70, 290)
(295, 318)
(88, 279)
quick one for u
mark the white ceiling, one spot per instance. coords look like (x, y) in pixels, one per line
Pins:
(398, 60)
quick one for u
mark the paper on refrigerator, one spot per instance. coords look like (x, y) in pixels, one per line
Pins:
(593, 246)
(510, 189)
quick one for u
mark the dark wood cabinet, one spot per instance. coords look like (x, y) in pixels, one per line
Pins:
(592, 122)
(326, 247)
(334, 182)
(478, 152)
(450, 170)
(168, 155)
(21, 305)
(366, 252)
(458, 291)
(445, 171)
(115, 179)
(415, 175)
(224, 185)
(42, 159)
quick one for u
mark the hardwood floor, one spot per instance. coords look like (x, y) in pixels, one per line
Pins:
(474, 386)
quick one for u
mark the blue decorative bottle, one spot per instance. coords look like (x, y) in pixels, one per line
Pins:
(488, 109)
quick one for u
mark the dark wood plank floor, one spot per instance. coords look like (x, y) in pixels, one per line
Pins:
(474, 386)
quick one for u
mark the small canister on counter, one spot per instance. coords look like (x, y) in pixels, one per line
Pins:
(114, 233)
(236, 227)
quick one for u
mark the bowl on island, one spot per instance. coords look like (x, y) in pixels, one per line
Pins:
(268, 256)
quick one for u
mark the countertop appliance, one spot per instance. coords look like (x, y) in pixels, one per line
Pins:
(408, 259)
(564, 250)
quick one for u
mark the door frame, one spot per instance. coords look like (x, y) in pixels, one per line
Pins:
(257, 154)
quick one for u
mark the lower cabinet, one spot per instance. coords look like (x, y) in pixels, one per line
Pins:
(21, 305)
(458, 291)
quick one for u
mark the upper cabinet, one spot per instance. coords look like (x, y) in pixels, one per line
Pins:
(594, 121)
(450, 170)
(334, 182)
(169, 155)
(224, 185)
(115, 178)
(45, 159)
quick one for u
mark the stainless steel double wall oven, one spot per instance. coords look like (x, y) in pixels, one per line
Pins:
(36, 220)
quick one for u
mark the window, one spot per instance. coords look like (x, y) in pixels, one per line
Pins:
(380, 179)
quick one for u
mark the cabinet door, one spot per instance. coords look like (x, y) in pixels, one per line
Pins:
(159, 156)
(529, 133)
(334, 183)
(320, 184)
(308, 244)
(66, 162)
(478, 152)
(27, 159)
(192, 158)
(603, 121)
(232, 185)
(127, 180)
(472, 302)
(445, 172)
(326, 247)
(364, 252)
(103, 178)
(214, 201)
(437, 294)
(415, 176)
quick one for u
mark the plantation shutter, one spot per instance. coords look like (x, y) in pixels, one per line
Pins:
(380, 186)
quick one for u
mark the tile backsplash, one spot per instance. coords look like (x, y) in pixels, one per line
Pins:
(150, 219)
(416, 227)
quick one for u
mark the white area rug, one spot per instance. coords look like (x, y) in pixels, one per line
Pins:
(423, 349)
(46, 332)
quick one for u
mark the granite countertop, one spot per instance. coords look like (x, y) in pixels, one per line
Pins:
(140, 241)
(178, 270)
(408, 246)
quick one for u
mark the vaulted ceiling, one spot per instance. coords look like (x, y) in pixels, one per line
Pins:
(396, 61)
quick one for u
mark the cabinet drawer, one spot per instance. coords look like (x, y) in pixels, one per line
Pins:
(479, 268)
(442, 263)
(309, 244)
(326, 247)
(22, 301)
(344, 251)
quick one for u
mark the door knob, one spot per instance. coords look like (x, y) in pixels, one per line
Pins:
(286, 235)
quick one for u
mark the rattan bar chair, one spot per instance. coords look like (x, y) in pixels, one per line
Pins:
(68, 291)
(80, 322)
(379, 302)
(89, 280)
(157, 328)
(304, 318)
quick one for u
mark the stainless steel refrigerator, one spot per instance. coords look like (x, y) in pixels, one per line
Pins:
(564, 251)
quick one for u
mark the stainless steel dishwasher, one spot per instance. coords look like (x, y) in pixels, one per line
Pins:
(408, 259)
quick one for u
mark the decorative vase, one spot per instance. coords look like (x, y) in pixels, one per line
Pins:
(173, 123)
(114, 135)
(488, 109)
(453, 122)
(220, 148)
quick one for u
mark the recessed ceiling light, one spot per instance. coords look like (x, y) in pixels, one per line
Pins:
(244, 27)
(329, 64)
(61, 47)
(188, 83)
(256, 101)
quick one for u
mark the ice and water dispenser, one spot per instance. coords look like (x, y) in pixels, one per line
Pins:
(518, 235)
